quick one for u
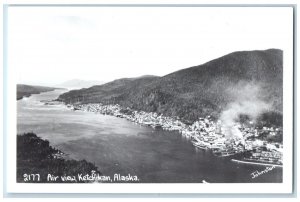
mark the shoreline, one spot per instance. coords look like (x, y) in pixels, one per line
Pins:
(39, 162)
(22, 95)
(256, 163)
(204, 133)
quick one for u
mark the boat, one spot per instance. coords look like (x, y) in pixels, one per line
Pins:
(76, 108)
(199, 145)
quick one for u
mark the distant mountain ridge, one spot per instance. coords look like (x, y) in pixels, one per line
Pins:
(78, 84)
(27, 90)
(198, 91)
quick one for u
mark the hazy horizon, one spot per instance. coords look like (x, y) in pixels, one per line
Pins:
(48, 46)
(58, 84)
(93, 80)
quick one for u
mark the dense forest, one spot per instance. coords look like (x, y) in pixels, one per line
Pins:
(36, 156)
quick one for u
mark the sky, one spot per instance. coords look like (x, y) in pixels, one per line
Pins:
(50, 45)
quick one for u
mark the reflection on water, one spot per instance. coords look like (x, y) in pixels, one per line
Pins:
(118, 146)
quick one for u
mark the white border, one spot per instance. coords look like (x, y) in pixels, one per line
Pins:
(285, 187)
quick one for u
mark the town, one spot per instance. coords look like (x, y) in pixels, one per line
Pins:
(237, 141)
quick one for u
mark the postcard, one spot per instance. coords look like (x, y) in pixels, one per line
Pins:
(149, 99)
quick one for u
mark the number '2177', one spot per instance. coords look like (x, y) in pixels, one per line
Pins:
(31, 177)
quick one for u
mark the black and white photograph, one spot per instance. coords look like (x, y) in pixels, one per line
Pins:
(150, 96)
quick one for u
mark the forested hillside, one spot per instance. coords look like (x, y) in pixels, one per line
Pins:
(207, 89)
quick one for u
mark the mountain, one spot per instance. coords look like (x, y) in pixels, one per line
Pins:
(113, 92)
(240, 83)
(78, 84)
(27, 90)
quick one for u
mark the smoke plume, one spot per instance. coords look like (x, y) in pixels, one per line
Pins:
(246, 101)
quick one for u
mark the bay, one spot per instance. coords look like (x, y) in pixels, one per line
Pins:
(118, 146)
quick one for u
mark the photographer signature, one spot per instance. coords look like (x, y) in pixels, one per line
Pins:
(257, 173)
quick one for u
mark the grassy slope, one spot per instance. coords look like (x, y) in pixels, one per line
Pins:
(27, 90)
(196, 91)
(35, 156)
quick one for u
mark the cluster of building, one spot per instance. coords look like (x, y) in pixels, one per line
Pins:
(58, 155)
(204, 133)
(273, 156)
